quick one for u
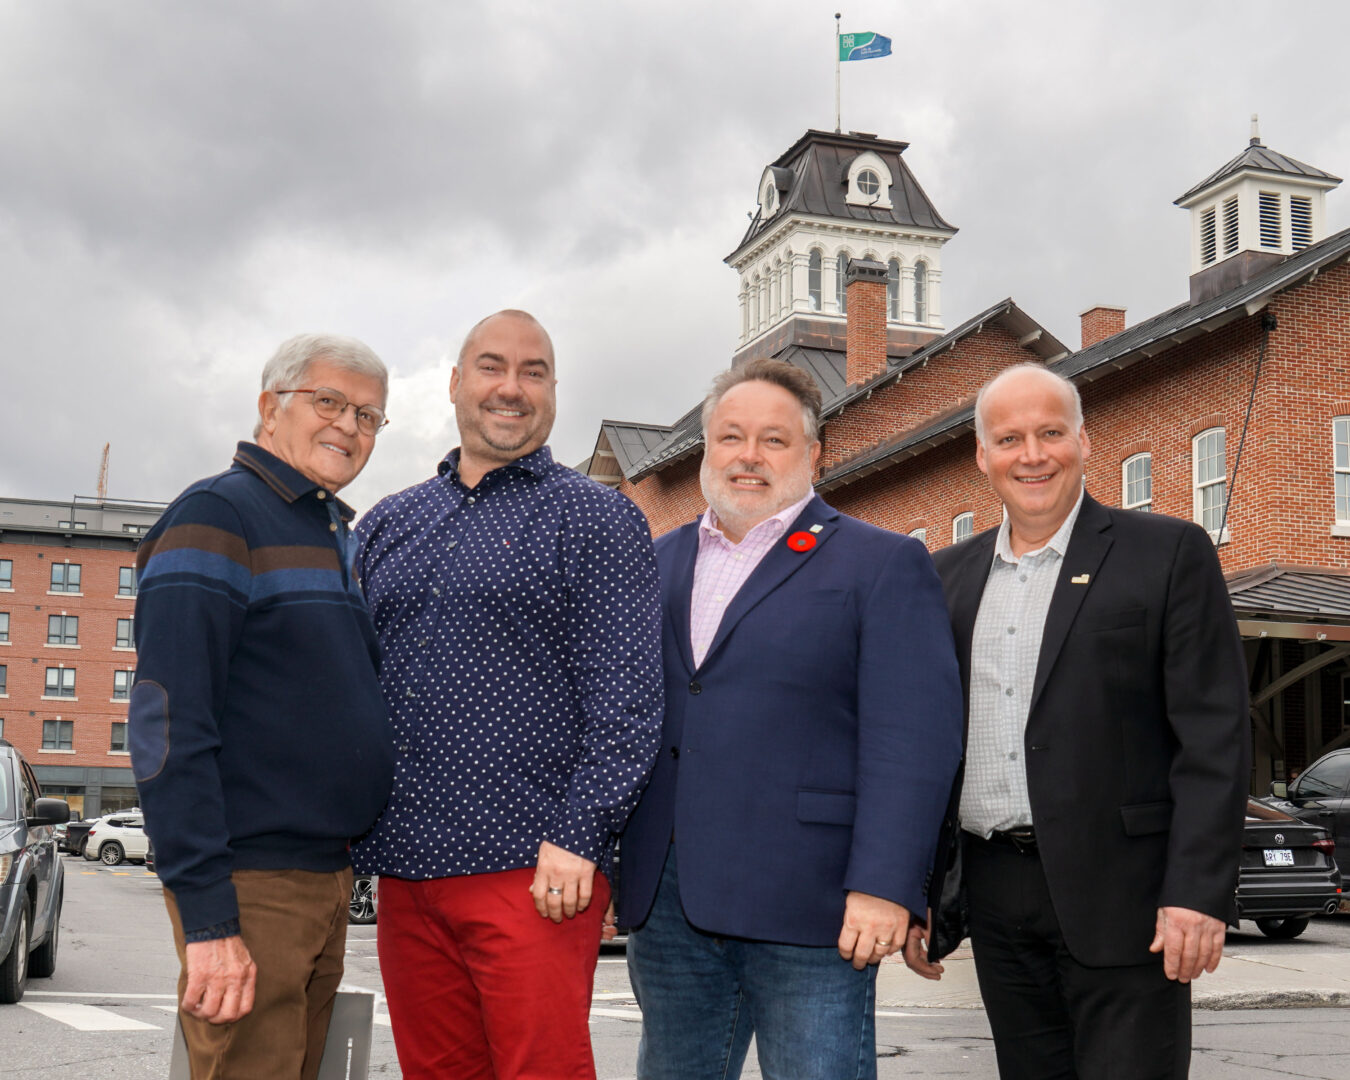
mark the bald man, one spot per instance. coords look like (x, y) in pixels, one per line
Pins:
(1099, 818)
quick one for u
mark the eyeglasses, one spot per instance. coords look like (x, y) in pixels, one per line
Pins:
(330, 404)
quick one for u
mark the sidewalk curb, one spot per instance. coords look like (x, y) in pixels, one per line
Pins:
(1272, 999)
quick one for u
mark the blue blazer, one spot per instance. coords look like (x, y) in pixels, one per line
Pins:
(812, 752)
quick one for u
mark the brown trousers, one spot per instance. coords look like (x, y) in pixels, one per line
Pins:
(294, 923)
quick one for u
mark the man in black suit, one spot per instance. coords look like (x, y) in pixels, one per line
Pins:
(1101, 806)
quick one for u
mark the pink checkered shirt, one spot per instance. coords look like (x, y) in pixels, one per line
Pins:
(722, 567)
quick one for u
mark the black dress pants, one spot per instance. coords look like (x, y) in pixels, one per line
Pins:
(1052, 1017)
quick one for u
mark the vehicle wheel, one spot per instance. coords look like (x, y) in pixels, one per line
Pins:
(1282, 929)
(110, 854)
(42, 963)
(14, 969)
(361, 910)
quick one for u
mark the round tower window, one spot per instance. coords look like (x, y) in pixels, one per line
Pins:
(869, 183)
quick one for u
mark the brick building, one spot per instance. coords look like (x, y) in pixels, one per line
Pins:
(67, 657)
(1232, 409)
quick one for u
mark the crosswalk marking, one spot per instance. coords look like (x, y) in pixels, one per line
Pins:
(88, 1017)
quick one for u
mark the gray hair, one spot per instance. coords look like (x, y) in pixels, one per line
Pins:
(1075, 400)
(794, 380)
(508, 313)
(292, 360)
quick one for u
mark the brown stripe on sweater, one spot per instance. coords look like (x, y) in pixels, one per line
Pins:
(206, 538)
(294, 557)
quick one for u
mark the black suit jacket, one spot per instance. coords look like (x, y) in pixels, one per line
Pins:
(1136, 745)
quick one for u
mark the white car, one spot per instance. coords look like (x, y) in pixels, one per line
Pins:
(117, 837)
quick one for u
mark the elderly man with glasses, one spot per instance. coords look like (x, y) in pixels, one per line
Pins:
(259, 738)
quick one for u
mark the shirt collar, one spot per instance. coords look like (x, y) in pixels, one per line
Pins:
(1059, 542)
(708, 526)
(537, 464)
(286, 480)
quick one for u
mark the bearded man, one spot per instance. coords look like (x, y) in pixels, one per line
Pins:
(811, 732)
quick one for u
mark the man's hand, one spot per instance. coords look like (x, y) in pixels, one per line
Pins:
(916, 950)
(609, 929)
(873, 928)
(562, 883)
(1190, 941)
(220, 979)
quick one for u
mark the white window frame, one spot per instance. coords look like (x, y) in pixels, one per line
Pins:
(921, 535)
(815, 279)
(1203, 490)
(868, 161)
(963, 526)
(921, 291)
(1340, 471)
(1125, 482)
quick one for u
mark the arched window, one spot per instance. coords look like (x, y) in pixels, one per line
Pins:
(963, 527)
(920, 292)
(754, 303)
(745, 313)
(1210, 477)
(893, 290)
(921, 535)
(813, 289)
(840, 292)
(1136, 482)
(785, 290)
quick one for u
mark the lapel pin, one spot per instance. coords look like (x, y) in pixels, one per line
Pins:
(817, 528)
(1080, 579)
(801, 541)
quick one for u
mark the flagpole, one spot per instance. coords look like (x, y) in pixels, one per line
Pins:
(836, 72)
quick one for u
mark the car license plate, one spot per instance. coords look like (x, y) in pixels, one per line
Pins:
(1281, 856)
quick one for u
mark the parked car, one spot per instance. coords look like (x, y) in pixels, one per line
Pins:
(363, 903)
(72, 841)
(1287, 872)
(117, 837)
(1321, 796)
(31, 876)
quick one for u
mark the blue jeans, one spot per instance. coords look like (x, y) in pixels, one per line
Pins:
(702, 997)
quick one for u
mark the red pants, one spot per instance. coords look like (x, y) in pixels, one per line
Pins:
(480, 985)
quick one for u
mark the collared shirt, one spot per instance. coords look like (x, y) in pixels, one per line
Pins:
(257, 727)
(1005, 648)
(721, 568)
(520, 625)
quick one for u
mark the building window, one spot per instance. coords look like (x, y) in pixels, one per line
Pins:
(58, 734)
(126, 581)
(136, 530)
(2, 727)
(1230, 225)
(920, 535)
(813, 286)
(840, 292)
(122, 681)
(1210, 472)
(1341, 437)
(4, 679)
(1207, 237)
(72, 525)
(893, 290)
(63, 629)
(6, 573)
(60, 682)
(1268, 210)
(4, 625)
(126, 638)
(1137, 482)
(119, 737)
(65, 577)
(920, 292)
(963, 527)
(1300, 222)
(869, 183)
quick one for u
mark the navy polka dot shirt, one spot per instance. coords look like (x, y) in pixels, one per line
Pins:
(520, 628)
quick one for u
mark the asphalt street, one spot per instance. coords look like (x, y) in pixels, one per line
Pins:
(108, 1012)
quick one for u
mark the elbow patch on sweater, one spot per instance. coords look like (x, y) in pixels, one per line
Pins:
(148, 729)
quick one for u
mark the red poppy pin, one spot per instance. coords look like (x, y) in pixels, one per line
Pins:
(801, 541)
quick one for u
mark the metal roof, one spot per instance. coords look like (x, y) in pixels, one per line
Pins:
(631, 443)
(1262, 159)
(1308, 594)
(813, 181)
(1186, 321)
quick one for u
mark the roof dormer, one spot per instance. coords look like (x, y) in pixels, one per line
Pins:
(868, 182)
(773, 187)
(1257, 209)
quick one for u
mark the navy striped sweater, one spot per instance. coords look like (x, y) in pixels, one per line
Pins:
(259, 739)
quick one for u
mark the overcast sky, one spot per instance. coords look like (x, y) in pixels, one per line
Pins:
(184, 185)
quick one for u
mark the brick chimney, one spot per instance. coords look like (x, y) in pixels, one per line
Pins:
(865, 286)
(1101, 322)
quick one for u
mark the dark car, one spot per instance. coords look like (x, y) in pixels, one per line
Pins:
(1321, 796)
(76, 834)
(31, 876)
(1287, 872)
